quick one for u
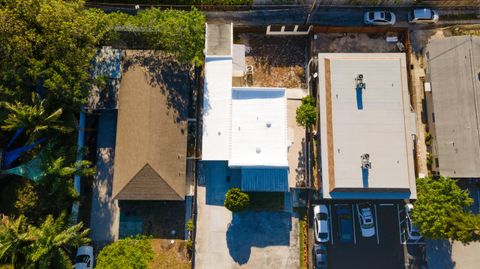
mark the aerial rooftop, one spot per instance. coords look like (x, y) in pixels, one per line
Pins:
(365, 126)
(259, 127)
(454, 71)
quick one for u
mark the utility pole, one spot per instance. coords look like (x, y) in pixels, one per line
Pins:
(312, 8)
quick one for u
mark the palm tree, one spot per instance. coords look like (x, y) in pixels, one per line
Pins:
(33, 118)
(14, 238)
(53, 240)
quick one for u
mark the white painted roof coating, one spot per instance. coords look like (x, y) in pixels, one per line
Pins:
(259, 127)
(216, 108)
(378, 125)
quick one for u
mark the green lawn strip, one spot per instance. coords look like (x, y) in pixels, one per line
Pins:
(302, 233)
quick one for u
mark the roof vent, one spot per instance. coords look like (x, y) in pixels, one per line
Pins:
(360, 82)
(365, 160)
(269, 124)
(258, 150)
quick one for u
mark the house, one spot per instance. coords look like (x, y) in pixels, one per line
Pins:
(244, 128)
(366, 126)
(150, 180)
(453, 94)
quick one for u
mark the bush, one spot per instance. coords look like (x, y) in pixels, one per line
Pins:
(307, 112)
(126, 253)
(190, 226)
(236, 200)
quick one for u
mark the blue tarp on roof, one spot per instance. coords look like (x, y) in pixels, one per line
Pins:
(265, 179)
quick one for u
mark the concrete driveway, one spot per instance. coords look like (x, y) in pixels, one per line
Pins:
(243, 240)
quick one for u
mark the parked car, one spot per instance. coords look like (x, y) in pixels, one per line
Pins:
(379, 18)
(84, 258)
(321, 225)
(423, 15)
(412, 231)
(365, 218)
(345, 223)
(319, 256)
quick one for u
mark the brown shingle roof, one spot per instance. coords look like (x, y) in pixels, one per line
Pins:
(151, 137)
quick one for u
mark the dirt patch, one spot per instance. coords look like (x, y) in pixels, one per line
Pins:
(171, 254)
(353, 42)
(278, 61)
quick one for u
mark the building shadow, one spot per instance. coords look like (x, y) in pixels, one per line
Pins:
(359, 92)
(217, 179)
(257, 229)
(439, 254)
(365, 177)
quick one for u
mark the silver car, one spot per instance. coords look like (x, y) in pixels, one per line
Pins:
(320, 222)
(423, 15)
(412, 231)
(379, 18)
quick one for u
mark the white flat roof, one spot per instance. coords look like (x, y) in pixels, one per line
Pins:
(216, 108)
(259, 127)
(372, 121)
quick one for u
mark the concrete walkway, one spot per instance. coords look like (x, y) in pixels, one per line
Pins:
(105, 214)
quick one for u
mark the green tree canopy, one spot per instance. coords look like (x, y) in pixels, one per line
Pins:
(307, 112)
(134, 253)
(440, 211)
(39, 247)
(181, 33)
(236, 200)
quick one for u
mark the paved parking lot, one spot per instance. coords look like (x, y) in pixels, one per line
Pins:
(383, 250)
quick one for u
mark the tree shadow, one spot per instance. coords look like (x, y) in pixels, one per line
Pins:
(439, 254)
(300, 169)
(173, 79)
(257, 229)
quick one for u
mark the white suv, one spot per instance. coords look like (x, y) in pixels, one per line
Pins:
(365, 218)
(423, 15)
(320, 219)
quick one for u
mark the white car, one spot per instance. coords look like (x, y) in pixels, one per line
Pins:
(423, 15)
(412, 231)
(379, 18)
(320, 219)
(365, 218)
(84, 258)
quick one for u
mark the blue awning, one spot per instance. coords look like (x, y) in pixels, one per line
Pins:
(265, 179)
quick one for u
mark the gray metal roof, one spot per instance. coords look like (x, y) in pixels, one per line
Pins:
(454, 70)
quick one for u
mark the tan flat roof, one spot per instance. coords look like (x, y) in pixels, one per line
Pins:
(372, 121)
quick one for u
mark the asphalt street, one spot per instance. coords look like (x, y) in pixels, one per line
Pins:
(321, 16)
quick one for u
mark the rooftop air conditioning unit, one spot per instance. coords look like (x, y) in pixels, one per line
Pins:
(360, 82)
(249, 75)
(365, 159)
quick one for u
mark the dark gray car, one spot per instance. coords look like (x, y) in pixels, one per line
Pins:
(320, 256)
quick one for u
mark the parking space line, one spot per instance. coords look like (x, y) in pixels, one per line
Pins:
(399, 225)
(330, 219)
(376, 224)
(353, 224)
(387, 205)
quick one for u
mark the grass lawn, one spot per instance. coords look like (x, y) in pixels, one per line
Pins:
(266, 201)
(170, 256)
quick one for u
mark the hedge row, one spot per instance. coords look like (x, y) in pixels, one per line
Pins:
(177, 2)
